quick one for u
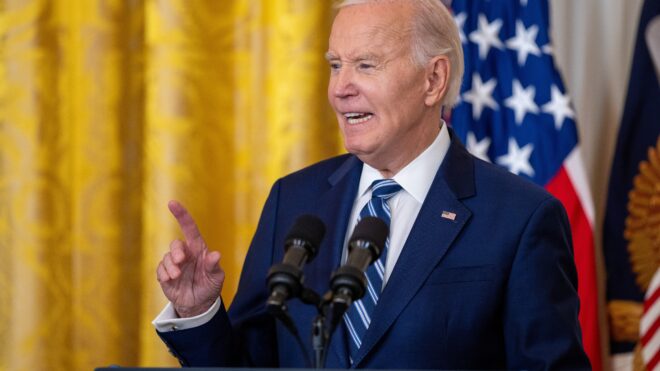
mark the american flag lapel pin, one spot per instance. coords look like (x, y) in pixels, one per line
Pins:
(449, 215)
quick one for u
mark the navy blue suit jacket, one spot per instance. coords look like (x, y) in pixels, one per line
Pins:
(494, 288)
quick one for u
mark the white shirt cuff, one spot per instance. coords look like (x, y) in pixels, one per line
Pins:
(168, 320)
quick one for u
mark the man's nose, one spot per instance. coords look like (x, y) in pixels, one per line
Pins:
(343, 84)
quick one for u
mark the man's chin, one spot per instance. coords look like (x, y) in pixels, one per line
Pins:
(361, 153)
(355, 149)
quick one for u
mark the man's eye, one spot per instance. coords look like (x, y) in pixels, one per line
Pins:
(335, 66)
(366, 66)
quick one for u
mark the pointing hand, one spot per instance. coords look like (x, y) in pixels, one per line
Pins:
(189, 273)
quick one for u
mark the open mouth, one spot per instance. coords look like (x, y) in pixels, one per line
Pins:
(354, 118)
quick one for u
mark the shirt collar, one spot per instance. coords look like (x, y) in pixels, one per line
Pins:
(416, 177)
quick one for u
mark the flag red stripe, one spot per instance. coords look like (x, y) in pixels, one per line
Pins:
(650, 332)
(649, 302)
(650, 365)
(583, 244)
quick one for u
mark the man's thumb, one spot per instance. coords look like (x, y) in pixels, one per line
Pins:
(211, 261)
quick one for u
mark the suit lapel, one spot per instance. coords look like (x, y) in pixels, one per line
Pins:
(335, 207)
(440, 220)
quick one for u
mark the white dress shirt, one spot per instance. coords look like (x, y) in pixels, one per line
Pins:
(415, 180)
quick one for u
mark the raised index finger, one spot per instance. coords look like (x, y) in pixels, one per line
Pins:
(186, 221)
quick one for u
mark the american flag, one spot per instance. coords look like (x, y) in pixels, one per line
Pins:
(514, 111)
(649, 324)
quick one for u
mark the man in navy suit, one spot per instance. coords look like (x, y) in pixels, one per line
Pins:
(479, 270)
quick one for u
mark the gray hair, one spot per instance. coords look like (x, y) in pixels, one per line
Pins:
(434, 33)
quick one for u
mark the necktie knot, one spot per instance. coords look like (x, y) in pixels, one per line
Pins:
(384, 189)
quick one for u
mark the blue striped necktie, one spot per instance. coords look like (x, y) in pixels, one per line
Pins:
(358, 316)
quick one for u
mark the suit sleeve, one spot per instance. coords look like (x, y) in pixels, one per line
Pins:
(244, 335)
(541, 308)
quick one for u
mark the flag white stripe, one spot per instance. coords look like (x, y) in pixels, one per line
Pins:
(654, 284)
(578, 175)
(654, 311)
(649, 317)
(652, 314)
(651, 348)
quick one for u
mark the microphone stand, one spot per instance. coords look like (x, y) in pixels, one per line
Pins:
(330, 311)
(348, 283)
(320, 341)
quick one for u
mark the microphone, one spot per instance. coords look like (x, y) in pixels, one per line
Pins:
(366, 244)
(300, 246)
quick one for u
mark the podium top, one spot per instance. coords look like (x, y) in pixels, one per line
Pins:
(119, 368)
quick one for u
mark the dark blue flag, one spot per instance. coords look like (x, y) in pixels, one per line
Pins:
(640, 128)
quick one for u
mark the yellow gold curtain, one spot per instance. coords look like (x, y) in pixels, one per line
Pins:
(108, 109)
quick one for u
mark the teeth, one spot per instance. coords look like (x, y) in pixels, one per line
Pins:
(352, 114)
(357, 118)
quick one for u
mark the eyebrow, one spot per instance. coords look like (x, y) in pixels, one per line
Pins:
(361, 57)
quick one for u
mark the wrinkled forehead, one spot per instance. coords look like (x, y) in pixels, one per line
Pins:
(372, 26)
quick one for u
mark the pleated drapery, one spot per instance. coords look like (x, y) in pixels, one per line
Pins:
(108, 109)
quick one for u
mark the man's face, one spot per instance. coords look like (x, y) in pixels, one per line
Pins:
(375, 89)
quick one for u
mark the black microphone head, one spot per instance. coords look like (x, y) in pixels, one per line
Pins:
(373, 230)
(309, 229)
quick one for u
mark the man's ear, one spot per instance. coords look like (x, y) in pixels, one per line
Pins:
(437, 79)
